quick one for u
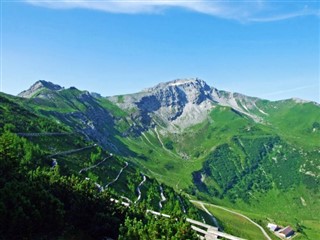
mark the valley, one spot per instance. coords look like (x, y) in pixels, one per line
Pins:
(179, 141)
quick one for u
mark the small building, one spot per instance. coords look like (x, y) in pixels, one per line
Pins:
(286, 232)
(273, 227)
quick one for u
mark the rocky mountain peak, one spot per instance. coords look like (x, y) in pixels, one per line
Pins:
(195, 83)
(181, 91)
(37, 86)
(182, 102)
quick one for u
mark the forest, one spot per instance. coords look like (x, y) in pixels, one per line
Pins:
(38, 202)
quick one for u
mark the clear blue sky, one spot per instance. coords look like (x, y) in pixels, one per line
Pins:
(268, 49)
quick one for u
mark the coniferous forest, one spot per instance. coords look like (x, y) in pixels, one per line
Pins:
(39, 203)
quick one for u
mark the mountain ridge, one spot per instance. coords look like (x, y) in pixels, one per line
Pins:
(172, 106)
(37, 87)
(223, 147)
(43, 84)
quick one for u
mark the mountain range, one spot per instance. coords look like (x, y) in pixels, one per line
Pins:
(258, 156)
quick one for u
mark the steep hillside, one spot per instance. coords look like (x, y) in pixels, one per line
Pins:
(255, 155)
(52, 175)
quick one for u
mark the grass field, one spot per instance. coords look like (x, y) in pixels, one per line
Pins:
(235, 224)
(241, 227)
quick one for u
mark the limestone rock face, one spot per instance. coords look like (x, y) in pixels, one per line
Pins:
(181, 103)
(174, 105)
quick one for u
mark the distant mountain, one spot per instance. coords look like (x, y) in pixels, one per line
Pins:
(39, 86)
(256, 155)
(182, 103)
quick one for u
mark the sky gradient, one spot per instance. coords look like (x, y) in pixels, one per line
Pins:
(267, 49)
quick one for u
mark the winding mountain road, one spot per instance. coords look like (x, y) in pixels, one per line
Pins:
(163, 198)
(72, 151)
(116, 179)
(96, 165)
(138, 188)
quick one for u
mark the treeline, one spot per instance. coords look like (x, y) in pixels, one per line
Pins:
(38, 202)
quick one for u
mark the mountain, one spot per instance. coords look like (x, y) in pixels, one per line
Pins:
(182, 103)
(258, 156)
(53, 179)
(38, 88)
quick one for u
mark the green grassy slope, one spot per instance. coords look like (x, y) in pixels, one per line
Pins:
(260, 168)
(234, 224)
(18, 119)
(297, 122)
(268, 168)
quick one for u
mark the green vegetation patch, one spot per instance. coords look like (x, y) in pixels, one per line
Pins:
(235, 225)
